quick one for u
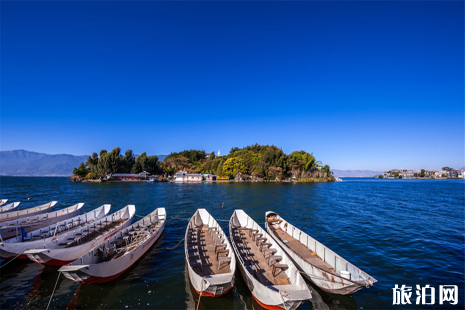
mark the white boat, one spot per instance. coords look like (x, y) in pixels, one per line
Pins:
(118, 253)
(12, 228)
(8, 216)
(8, 207)
(36, 239)
(326, 269)
(3, 201)
(72, 245)
(271, 276)
(210, 261)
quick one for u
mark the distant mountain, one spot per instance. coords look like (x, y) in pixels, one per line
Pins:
(355, 173)
(25, 163)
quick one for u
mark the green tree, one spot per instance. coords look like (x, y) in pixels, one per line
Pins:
(234, 165)
(219, 170)
(447, 169)
(328, 171)
(128, 160)
(81, 171)
(422, 174)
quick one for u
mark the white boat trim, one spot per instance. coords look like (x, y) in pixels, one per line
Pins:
(37, 238)
(328, 278)
(88, 268)
(287, 296)
(8, 216)
(9, 207)
(12, 228)
(58, 253)
(211, 285)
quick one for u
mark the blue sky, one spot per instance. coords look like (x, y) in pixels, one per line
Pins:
(364, 85)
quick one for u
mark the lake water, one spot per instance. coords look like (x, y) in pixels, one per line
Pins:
(398, 231)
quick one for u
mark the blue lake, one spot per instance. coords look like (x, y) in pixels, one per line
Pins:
(398, 231)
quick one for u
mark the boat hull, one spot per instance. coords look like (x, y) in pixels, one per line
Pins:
(328, 282)
(105, 272)
(210, 285)
(13, 231)
(15, 215)
(268, 300)
(60, 257)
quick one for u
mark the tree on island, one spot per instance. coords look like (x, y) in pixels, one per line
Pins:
(259, 161)
(447, 169)
(422, 173)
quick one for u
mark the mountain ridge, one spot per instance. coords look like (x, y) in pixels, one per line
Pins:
(29, 163)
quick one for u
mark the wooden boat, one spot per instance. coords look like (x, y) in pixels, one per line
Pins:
(270, 274)
(326, 269)
(36, 239)
(8, 216)
(72, 245)
(3, 201)
(8, 207)
(12, 228)
(210, 261)
(118, 253)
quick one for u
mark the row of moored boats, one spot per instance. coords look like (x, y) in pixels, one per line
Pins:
(98, 246)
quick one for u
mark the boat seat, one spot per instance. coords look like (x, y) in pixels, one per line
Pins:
(218, 240)
(279, 266)
(252, 232)
(260, 240)
(193, 242)
(223, 259)
(269, 250)
(256, 235)
(219, 247)
(266, 244)
(276, 258)
(224, 251)
(196, 263)
(252, 270)
(62, 244)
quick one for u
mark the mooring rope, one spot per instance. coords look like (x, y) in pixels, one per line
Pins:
(59, 274)
(14, 258)
(281, 295)
(176, 245)
(200, 295)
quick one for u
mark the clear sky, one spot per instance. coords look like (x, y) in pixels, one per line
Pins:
(364, 85)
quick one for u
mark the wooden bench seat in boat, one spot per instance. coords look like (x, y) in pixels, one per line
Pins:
(279, 266)
(223, 259)
(265, 245)
(276, 258)
(222, 252)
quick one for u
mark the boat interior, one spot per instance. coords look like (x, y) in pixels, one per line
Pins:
(207, 249)
(125, 241)
(45, 216)
(259, 257)
(295, 245)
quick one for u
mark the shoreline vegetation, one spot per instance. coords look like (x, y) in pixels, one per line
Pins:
(254, 163)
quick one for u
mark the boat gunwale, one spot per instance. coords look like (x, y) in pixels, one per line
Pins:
(358, 283)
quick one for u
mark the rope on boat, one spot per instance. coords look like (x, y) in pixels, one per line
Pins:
(14, 258)
(53, 291)
(200, 295)
(176, 245)
(281, 295)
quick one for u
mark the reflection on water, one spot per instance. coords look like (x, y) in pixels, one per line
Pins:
(358, 219)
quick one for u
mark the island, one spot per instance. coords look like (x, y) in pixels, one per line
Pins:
(254, 163)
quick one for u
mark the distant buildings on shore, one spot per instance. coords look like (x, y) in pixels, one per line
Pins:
(430, 174)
